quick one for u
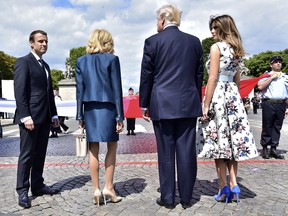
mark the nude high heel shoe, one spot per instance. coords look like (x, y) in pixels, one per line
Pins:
(97, 198)
(111, 195)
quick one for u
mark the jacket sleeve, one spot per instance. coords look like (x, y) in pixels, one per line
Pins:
(117, 88)
(147, 76)
(79, 92)
(21, 80)
(53, 109)
(200, 72)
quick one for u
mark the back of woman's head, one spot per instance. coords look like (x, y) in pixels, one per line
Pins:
(100, 41)
(228, 32)
(170, 14)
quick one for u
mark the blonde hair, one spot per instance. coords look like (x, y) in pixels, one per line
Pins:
(170, 14)
(100, 41)
(228, 32)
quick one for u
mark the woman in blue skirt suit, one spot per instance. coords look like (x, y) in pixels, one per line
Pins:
(100, 107)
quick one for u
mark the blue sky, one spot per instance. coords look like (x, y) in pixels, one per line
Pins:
(262, 24)
(62, 3)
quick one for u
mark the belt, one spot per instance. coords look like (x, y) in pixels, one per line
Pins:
(225, 78)
(276, 101)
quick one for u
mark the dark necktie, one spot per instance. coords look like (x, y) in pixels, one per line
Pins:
(43, 67)
(42, 64)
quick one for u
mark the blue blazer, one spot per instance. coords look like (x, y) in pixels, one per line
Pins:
(98, 78)
(171, 75)
(33, 92)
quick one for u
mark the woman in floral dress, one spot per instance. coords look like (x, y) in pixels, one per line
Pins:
(225, 134)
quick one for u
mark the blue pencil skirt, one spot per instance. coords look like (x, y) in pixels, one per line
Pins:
(100, 122)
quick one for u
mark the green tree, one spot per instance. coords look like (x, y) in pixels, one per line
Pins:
(75, 53)
(56, 75)
(6, 66)
(259, 63)
(206, 44)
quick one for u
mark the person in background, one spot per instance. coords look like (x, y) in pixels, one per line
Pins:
(255, 103)
(247, 105)
(130, 121)
(170, 94)
(100, 107)
(275, 94)
(35, 110)
(225, 136)
(56, 130)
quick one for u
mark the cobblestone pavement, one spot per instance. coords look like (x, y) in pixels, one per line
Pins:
(263, 183)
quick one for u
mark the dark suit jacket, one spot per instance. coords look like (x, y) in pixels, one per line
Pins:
(98, 78)
(171, 75)
(34, 95)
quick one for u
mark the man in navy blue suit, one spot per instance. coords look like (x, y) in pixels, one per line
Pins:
(170, 94)
(35, 110)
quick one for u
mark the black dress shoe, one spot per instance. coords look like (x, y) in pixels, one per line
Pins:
(161, 203)
(45, 190)
(185, 204)
(24, 200)
(54, 136)
(274, 154)
(265, 154)
(132, 133)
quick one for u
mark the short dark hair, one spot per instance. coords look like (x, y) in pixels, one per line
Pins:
(31, 37)
(130, 89)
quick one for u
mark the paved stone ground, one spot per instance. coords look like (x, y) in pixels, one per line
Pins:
(263, 183)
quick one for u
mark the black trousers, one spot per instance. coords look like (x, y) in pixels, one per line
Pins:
(176, 139)
(131, 124)
(273, 115)
(62, 125)
(33, 147)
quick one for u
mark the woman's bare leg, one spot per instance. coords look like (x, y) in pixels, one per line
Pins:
(110, 162)
(94, 163)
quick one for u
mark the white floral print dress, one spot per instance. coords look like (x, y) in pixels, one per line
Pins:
(228, 134)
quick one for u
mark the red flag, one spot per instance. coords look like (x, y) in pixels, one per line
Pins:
(131, 107)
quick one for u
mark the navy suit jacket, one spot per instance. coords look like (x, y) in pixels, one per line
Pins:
(33, 92)
(171, 75)
(98, 78)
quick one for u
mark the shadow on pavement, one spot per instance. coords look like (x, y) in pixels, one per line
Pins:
(130, 186)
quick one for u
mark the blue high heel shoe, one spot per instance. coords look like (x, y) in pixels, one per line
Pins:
(225, 191)
(235, 191)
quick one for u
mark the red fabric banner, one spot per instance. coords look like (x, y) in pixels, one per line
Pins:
(132, 109)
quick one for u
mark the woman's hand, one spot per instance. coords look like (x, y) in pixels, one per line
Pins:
(119, 127)
(205, 117)
(81, 124)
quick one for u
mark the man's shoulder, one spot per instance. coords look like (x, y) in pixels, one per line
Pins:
(29, 55)
(27, 58)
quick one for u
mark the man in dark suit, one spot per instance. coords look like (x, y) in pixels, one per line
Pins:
(170, 94)
(35, 110)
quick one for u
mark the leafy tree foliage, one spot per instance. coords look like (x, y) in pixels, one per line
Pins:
(206, 44)
(74, 54)
(56, 75)
(259, 63)
(6, 66)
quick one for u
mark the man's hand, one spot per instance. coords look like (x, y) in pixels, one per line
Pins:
(29, 124)
(146, 114)
(56, 122)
